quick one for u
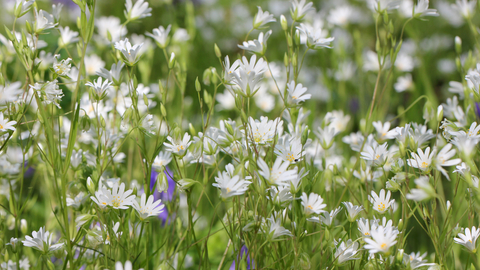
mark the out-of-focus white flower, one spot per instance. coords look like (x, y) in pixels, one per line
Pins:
(376, 153)
(473, 78)
(258, 46)
(130, 53)
(113, 74)
(423, 191)
(52, 93)
(93, 64)
(21, 7)
(63, 67)
(328, 218)
(137, 11)
(10, 93)
(128, 266)
(43, 21)
(41, 240)
(299, 9)
(67, 36)
(160, 35)
(110, 28)
(315, 38)
(161, 161)
(403, 83)
(262, 18)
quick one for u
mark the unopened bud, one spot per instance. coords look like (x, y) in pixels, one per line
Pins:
(283, 22)
(23, 226)
(91, 186)
(162, 182)
(400, 225)
(289, 40)
(198, 87)
(218, 53)
(399, 256)
(191, 129)
(458, 45)
(285, 60)
(439, 113)
(145, 99)
(171, 62)
(186, 183)
(163, 110)
(297, 37)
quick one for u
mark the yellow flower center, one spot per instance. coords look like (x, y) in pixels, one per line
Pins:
(424, 165)
(381, 207)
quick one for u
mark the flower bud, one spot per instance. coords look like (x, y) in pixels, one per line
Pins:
(283, 22)
(218, 53)
(171, 62)
(458, 45)
(192, 129)
(91, 186)
(399, 256)
(400, 225)
(285, 60)
(297, 37)
(186, 183)
(439, 113)
(198, 87)
(162, 182)
(23, 226)
(163, 110)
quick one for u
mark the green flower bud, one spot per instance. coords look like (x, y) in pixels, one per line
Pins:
(162, 182)
(218, 53)
(23, 226)
(171, 62)
(283, 22)
(458, 45)
(91, 186)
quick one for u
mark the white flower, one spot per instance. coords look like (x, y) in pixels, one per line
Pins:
(100, 86)
(262, 18)
(258, 46)
(315, 38)
(416, 260)
(312, 203)
(383, 238)
(230, 184)
(297, 92)
(43, 21)
(421, 160)
(93, 64)
(160, 35)
(21, 7)
(376, 153)
(443, 159)
(404, 83)
(148, 208)
(77, 201)
(274, 229)
(346, 251)
(278, 174)
(63, 67)
(352, 210)
(130, 53)
(178, 146)
(137, 11)
(110, 28)
(51, 90)
(468, 239)
(422, 10)
(381, 202)
(10, 93)
(364, 227)
(113, 74)
(128, 266)
(161, 161)
(326, 136)
(382, 130)
(423, 191)
(328, 218)
(5, 124)
(299, 9)
(67, 36)
(290, 149)
(263, 131)
(337, 120)
(41, 240)
(117, 198)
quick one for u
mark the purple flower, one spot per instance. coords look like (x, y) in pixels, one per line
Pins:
(243, 251)
(477, 109)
